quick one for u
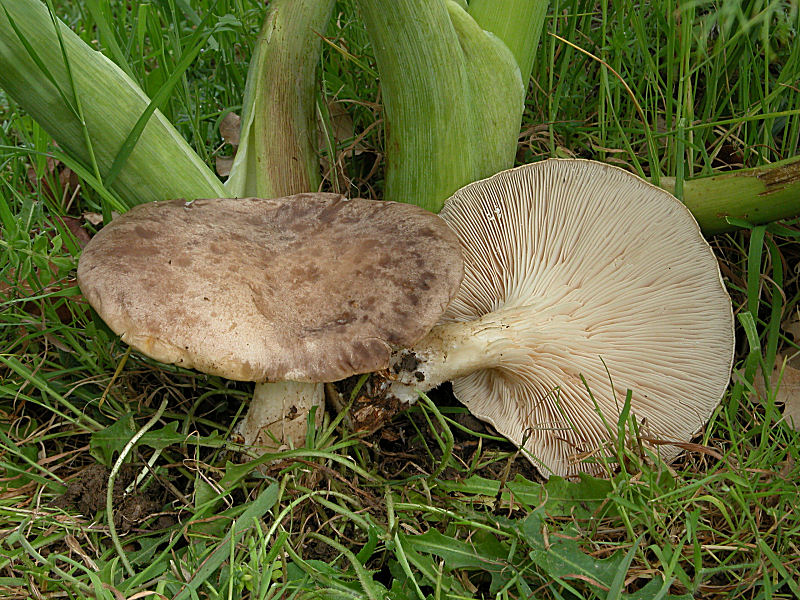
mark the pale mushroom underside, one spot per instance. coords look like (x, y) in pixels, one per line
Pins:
(606, 285)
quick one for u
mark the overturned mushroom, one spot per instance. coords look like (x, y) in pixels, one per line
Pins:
(309, 288)
(581, 281)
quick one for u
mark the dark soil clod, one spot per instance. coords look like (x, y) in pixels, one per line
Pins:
(87, 494)
(408, 363)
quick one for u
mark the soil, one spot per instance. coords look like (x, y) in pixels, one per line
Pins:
(408, 363)
(86, 493)
(403, 445)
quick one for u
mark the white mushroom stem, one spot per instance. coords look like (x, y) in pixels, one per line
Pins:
(447, 352)
(457, 349)
(278, 414)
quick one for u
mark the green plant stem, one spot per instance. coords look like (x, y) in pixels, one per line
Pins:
(453, 98)
(427, 111)
(277, 153)
(518, 23)
(33, 72)
(760, 195)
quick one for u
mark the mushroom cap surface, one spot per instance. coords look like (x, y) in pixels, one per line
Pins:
(312, 287)
(602, 283)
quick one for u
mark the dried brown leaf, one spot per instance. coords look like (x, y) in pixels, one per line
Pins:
(74, 224)
(224, 165)
(93, 218)
(74, 545)
(790, 394)
(229, 128)
(96, 218)
(785, 384)
(342, 129)
(341, 121)
(792, 326)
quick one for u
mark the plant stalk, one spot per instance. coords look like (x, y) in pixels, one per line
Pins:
(759, 195)
(453, 98)
(277, 152)
(518, 23)
(93, 123)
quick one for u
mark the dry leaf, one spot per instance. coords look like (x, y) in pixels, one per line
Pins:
(341, 124)
(792, 326)
(75, 546)
(223, 165)
(229, 128)
(342, 129)
(93, 218)
(789, 394)
(96, 218)
(786, 388)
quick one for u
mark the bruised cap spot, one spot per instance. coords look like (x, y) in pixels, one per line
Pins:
(145, 233)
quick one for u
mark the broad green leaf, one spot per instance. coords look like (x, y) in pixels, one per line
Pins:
(168, 436)
(372, 542)
(561, 558)
(473, 485)
(203, 492)
(655, 590)
(33, 72)
(483, 552)
(581, 499)
(148, 547)
(401, 590)
(107, 443)
(234, 473)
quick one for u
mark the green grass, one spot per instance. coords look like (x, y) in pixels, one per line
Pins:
(709, 88)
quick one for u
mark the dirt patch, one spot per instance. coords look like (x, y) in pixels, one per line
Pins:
(86, 493)
(405, 445)
(408, 363)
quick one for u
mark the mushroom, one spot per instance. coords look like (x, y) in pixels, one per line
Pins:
(308, 288)
(581, 281)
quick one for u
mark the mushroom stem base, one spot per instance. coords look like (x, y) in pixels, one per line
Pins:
(448, 351)
(278, 415)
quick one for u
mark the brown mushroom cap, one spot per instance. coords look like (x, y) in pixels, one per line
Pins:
(595, 283)
(313, 287)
